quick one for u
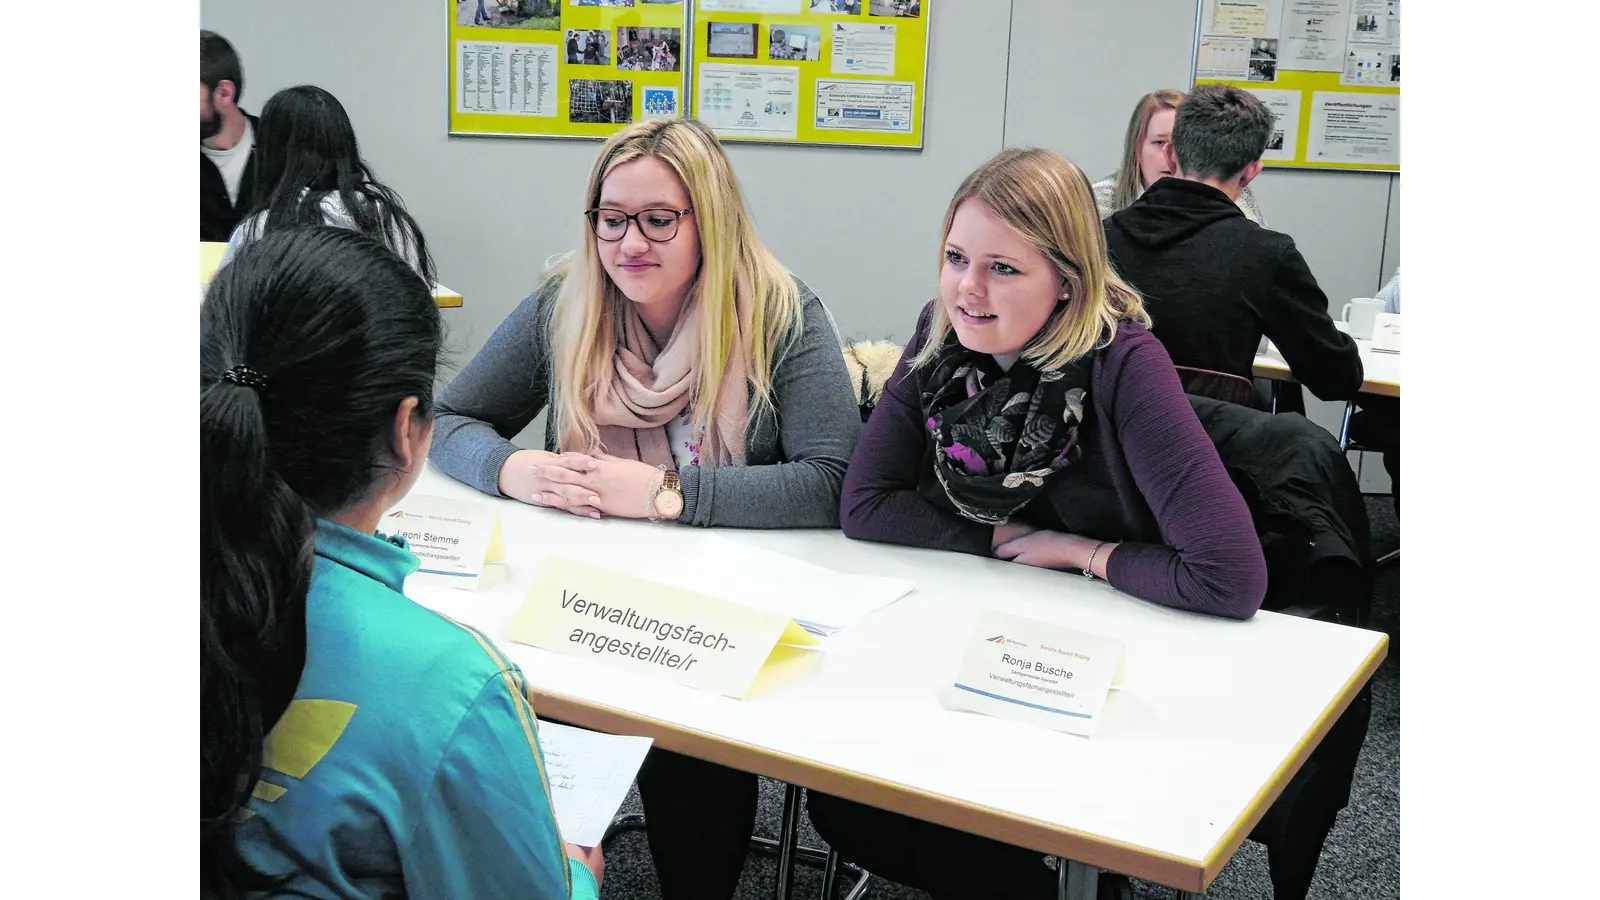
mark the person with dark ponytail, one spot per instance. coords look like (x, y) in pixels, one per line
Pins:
(309, 171)
(353, 743)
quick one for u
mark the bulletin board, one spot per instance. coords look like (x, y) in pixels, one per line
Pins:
(565, 68)
(1328, 69)
(819, 72)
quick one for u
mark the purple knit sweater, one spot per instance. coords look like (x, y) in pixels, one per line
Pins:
(1150, 476)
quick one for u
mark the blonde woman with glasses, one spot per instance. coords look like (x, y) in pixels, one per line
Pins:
(689, 378)
(1144, 158)
(1034, 418)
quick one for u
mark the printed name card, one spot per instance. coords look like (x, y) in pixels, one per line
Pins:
(1386, 333)
(594, 613)
(457, 541)
(1037, 673)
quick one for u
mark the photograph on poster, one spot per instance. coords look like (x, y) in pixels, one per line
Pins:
(660, 102)
(906, 9)
(588, 47)
(1263, 59)
(795, 42)
(600, 102)
(538, 15)
(648, 49)
(836, 7)
(734, 40)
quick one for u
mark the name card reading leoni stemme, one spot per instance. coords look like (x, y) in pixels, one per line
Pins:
(456, 540)
(632, 623)
(1037, 673)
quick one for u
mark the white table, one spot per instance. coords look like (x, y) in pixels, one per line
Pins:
(1216, 717)
(1381, 370)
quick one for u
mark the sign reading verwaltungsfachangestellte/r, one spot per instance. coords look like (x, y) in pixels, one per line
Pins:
(591, 612)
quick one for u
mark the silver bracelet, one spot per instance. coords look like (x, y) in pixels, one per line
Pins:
(1088, 567)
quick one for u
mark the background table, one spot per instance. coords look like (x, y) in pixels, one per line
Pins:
(1215, 719)
(1381, 370)
(211, 257)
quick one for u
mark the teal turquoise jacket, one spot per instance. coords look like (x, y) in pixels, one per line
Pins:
(408, 763)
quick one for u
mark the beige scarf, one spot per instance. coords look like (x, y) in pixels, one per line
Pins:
(647, 387)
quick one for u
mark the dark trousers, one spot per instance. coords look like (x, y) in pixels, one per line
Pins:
(949, 864)
(698, 817)
(1377, 426)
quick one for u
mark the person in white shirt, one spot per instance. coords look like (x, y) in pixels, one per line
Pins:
(227, 137)
(310, 172)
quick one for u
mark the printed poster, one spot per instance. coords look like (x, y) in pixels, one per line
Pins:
(506, 79)
(1314, 35)
(865, 105)
(749, 101)
(1354, 128)
(1285, 139)
(863, 49)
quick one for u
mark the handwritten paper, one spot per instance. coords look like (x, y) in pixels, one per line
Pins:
(590, 773)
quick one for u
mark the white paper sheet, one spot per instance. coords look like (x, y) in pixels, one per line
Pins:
(781, 7)
(1285, 138)
(820, 600)
(1354, 128)
(1223, 57)
(506, 79)
(1314, 35)
(863, 49)
(590, 773)
(748, 100)
(866, 105)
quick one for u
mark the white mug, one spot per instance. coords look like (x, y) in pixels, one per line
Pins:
(1361, 313)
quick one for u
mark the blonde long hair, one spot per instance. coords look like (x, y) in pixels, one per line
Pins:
(1048, 200)
(736, 270)
(1129, 184)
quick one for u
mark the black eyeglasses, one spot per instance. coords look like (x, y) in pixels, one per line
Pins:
(657, 225)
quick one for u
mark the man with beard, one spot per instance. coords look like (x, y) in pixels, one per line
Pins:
(227, 137)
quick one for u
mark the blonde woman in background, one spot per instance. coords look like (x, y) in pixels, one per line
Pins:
(689, 378)
(1144, 157)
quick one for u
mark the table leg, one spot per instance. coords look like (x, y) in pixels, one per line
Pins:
(788, 839)
(1076, 881)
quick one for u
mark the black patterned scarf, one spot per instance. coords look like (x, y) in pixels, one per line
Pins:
(998, 434)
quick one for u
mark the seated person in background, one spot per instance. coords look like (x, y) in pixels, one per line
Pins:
(1144, 158)
(309, 171)
(227, 137)
(1214, 281)
(1034, 418)
(689, 378)
(352, 743)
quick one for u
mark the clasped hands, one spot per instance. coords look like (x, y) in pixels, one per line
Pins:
(584, 484)
(1046, 549)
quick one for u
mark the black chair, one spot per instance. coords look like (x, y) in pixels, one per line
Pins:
(1217, 386)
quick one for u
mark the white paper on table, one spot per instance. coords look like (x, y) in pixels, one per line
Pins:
(590, 773)
(819, 599)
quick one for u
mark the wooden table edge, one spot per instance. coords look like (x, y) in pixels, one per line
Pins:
(1273, 373)
(1116, 856)
(1228, 845)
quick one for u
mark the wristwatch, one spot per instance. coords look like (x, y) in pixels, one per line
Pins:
(668, 501)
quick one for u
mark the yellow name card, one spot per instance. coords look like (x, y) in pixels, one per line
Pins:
(632, 623)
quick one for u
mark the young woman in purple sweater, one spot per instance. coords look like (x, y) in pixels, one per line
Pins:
(1034, 418)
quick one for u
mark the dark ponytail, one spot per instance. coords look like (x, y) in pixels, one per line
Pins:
(309, 342)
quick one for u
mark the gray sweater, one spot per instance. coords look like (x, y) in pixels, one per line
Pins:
(795, 461)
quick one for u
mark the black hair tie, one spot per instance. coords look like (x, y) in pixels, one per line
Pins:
(246, 376)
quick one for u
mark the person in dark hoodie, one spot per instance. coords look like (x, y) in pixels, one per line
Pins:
(1214, 281)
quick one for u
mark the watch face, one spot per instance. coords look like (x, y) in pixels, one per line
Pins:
(669, 504)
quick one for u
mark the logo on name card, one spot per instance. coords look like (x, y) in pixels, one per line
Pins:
(1004, 641)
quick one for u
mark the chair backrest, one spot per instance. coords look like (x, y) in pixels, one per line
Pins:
(1217, 386)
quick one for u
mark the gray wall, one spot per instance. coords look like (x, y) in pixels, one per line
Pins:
(860, 226)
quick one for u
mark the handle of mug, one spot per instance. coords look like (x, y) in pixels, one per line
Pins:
(1344, 314)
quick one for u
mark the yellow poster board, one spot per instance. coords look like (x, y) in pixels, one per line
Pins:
(564, 68)
(824, 72)
(1328, 69)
